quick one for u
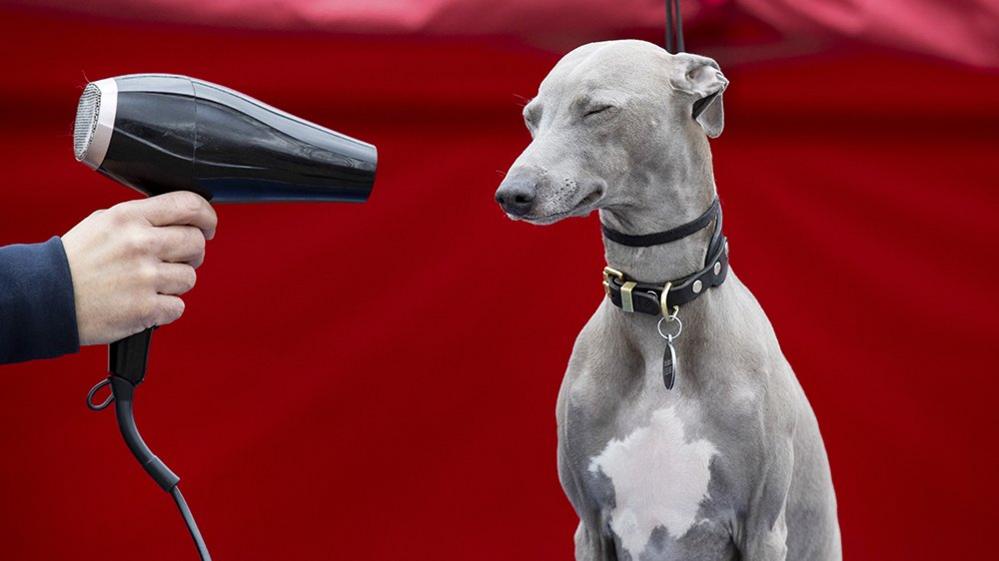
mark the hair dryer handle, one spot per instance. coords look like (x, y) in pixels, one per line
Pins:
(127, 364)
(127, 357)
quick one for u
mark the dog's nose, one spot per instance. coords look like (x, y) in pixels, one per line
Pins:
(516, 196)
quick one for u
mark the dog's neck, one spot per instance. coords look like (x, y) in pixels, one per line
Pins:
(675, 198)
(660, 263)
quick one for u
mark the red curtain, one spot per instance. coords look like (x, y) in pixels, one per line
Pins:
(962, 30)
(374, 382)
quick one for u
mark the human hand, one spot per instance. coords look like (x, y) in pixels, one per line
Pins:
(131, 262)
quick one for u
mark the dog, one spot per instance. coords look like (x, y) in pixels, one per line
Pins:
(729, 463)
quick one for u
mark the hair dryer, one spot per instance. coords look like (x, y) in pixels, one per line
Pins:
(158, 133)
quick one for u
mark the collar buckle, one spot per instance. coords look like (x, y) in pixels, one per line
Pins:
(609, 273)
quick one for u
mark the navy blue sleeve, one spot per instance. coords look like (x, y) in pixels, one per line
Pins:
(37, 307)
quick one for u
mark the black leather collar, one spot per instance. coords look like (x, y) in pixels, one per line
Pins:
(663, 298)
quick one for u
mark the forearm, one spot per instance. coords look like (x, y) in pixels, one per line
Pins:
(37, 309)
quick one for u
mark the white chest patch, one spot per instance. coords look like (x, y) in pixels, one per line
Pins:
(659, 479)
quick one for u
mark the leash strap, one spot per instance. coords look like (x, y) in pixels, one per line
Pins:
(674, 27)
(667, 236)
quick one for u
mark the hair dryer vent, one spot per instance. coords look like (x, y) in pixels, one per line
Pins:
(86, 119)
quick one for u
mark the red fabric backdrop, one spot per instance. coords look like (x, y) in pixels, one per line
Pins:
(327, 397)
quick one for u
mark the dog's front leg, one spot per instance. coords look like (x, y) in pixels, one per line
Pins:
(593, 545)
(763, 535)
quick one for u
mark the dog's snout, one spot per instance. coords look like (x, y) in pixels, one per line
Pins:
(516, 196)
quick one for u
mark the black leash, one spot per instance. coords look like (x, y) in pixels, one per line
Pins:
(671, 235)
(674, 27)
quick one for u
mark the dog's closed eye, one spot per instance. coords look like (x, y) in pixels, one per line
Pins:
(597, 109)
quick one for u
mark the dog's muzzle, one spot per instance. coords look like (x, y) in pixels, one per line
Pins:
(516, 195)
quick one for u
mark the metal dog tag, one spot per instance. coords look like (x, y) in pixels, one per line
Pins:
(669, 365)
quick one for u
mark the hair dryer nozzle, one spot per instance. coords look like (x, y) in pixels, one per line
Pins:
(160, 132)
(90, 133)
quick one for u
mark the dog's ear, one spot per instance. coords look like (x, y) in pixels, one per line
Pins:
(701, 78)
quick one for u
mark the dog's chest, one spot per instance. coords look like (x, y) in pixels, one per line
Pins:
(647, 470)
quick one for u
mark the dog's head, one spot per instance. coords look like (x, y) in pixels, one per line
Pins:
(608, 121)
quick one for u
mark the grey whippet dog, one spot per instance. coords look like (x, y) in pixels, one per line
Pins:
(729, 463)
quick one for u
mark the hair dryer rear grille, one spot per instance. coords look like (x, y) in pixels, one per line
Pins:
(86, 119)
